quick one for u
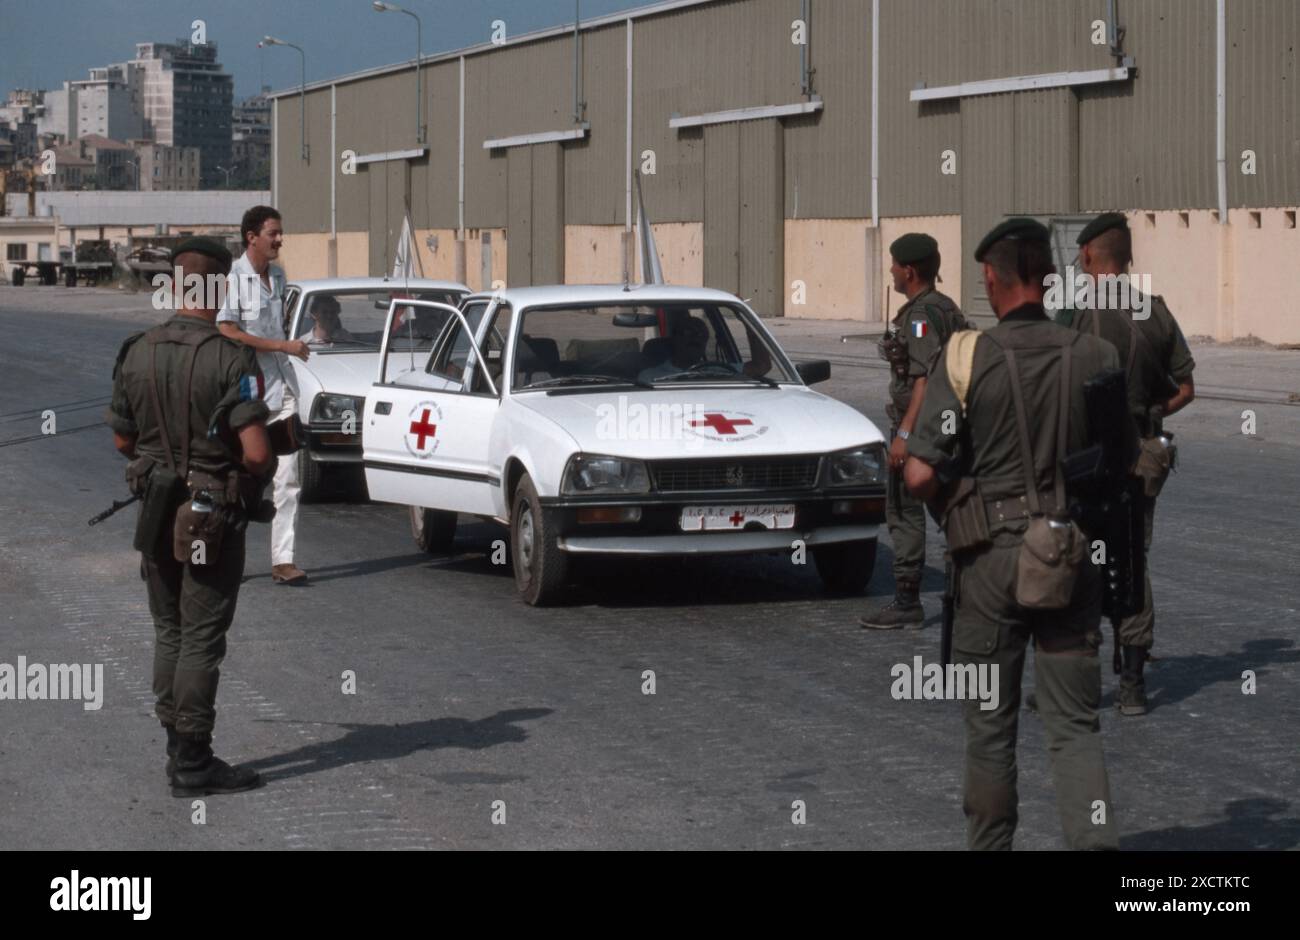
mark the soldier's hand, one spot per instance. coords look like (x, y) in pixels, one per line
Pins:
(897, 453)
(296, 347)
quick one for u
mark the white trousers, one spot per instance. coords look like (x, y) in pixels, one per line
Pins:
(286, 490)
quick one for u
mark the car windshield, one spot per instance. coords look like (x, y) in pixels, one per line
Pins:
(353, 321)
(590, 346)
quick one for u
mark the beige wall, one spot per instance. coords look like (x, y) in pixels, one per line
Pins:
(593, 254)
(474, 257)
(828, 256)
(306, 255)
(1256, 268)
(681, 252)
(439, 262)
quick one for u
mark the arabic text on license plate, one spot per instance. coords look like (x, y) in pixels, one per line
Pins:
(736, 518)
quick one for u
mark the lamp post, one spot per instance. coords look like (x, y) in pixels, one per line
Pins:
(381, 7)
(227, 172)
(302, 92)
(135, 166)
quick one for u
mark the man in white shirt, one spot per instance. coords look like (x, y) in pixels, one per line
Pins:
(253, 314)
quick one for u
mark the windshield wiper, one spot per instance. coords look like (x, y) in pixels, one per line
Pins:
(588, 380)
(708, 369)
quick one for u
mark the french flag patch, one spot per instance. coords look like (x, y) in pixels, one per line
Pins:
(250, 388)
(920, 328)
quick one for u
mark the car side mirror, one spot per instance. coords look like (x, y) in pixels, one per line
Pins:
(813, 371)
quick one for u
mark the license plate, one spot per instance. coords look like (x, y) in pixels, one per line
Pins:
(736, 518)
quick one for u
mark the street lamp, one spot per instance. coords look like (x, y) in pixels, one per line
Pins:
(381, 7)
(302, 92)
(227, 172)
(135, 166)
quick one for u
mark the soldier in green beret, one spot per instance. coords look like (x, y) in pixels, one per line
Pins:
(167, 384)
(920, 328)
(1002, 408)
(1159, 366)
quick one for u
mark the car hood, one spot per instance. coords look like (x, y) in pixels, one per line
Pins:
(704, 422)
(338, 373)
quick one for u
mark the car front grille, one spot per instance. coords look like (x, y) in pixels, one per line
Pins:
(751, 473)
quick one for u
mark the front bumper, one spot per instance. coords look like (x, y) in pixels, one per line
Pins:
(327, 444)
(658, 532)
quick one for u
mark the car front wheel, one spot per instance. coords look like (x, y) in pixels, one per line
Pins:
(845, 568)
(540, 567)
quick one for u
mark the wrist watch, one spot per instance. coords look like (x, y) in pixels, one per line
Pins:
(904, 434)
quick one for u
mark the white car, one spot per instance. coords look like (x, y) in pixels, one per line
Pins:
(651, 420)
(333, 382)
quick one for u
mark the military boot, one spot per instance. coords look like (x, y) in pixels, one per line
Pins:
(1132, 699)
(903, 610)
(200, 773)
(173, 743)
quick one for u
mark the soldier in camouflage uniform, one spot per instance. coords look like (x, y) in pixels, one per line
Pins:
(168, 384)
(1159, 366)
(969, 427)
(917, 333)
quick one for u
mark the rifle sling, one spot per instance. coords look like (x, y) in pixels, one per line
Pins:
(1022, 426)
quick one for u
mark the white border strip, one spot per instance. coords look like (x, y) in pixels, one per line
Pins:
(747, 114)
(1022, 83)
(542, 137)
(391, 155)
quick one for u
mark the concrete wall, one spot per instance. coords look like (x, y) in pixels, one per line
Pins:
(307, 255)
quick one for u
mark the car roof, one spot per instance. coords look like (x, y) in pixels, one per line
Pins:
(668, 294)
(377, 283)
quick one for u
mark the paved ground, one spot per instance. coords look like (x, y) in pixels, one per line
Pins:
(767, 692)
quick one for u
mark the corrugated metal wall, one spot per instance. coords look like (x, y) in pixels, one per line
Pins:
(595, 184)
(988, 184)
(1148, 143)
(1264, 101)
(514, 90)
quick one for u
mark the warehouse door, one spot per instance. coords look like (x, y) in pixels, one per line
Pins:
(535, 215)
(744, 212)
(1021, 157)
(389, 196)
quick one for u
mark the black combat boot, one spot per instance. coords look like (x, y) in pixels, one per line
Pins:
(200, 773)
(1132, 699)
(903, 610)
(173, 743)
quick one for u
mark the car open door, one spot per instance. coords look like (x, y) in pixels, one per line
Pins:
(426, 429)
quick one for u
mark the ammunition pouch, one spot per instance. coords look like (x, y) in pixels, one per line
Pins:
(162, 491)
(197, 536)
(1156, 457)
(962, 516)
(1047, 567)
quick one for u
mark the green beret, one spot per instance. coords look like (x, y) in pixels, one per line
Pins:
(1020, 228)
(913, 247)
(1103, 223)
(204, 246)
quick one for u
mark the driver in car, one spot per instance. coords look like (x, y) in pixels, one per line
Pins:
(325, 311)
(690, 345)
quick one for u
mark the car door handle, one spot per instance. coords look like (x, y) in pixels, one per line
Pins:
(383, 407)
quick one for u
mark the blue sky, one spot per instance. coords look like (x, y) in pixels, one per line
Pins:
(46, 42)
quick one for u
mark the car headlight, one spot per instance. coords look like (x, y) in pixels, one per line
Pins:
(588, 475)
(861, 466)
(330, 408)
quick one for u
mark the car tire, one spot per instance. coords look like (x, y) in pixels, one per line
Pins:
(434, 530)
(541, 569)
(19, 276)
(311, 477)
(70, 277)
(845, 568)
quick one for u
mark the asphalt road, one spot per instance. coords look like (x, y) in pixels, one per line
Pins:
(766, 691)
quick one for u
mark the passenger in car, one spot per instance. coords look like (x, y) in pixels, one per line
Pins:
(328, 325)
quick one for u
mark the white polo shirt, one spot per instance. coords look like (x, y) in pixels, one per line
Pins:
(259, 310)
